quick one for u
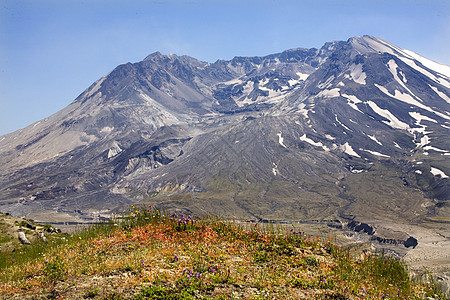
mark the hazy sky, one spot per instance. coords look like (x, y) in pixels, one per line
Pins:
(52, 50)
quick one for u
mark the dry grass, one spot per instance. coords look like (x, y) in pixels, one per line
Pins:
(149, 255)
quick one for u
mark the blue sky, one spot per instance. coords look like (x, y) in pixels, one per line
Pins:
(52, 50)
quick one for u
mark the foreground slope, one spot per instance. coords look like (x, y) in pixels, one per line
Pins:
(152, 256)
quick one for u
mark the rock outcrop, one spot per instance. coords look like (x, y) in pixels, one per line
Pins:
(23, 239)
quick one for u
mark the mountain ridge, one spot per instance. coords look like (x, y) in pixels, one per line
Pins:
(282, 137)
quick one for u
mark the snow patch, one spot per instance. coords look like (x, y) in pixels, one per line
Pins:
(392, 120)
(310, 141)
(275, 169)
(302, 76)
(418, 172)
(411, 62)
(425, 140)
(342, 124)
(107, 129)
(292, 82)
(437, 172)
(332, 138)
(374, 44)
(262, 83)
(440, 68)
(393, 68)
(233, 81)
(372, 137)
(346, 148)
(329, 93)
(389, 48)
(352, 101)
(302, 110)
(248, 88)
(410, 100)
(113, 151)
(397, 145)
(281, 140)
(440, 94)
(434, 149)
(420, 117)
(375, 153)
(357, 74)
(354, 171)
(403, 97)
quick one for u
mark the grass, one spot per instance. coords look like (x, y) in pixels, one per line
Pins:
(150, 255)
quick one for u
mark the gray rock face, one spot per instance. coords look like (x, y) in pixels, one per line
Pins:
(356, 128)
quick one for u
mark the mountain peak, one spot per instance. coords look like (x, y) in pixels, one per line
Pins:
(368, 44)
(153, 56)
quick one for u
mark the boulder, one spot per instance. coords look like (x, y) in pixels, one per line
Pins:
(31, 226)
(23, 239)
(41, 236)
(411, 242)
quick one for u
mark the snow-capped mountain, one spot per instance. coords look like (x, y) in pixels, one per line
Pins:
(357, 129)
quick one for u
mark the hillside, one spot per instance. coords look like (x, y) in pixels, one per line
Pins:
(149, 255)
(351, 136)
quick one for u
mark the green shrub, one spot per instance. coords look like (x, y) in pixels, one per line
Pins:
(54, 270)
(162, 293)
(301, 283)
(312, 261)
